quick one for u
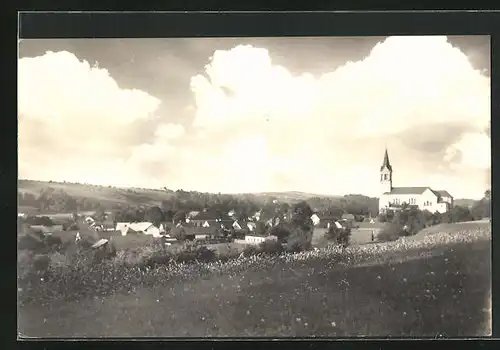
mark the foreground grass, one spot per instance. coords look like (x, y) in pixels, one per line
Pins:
(436, 285)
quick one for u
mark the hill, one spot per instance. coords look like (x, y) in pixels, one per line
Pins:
(465, 202)
(88, 197)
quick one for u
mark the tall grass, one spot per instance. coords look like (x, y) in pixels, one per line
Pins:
(42, 278)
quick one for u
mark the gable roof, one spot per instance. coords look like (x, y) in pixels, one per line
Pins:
(328, 218)
(211, 216)
(444, 193)
(200, 230)
(140, 226)
(407, 190)
(192, 214)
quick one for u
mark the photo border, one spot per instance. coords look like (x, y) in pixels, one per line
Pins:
(38, 25)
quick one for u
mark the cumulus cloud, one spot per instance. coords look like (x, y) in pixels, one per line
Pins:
(76, 123)
(327, 133)
(258, 126)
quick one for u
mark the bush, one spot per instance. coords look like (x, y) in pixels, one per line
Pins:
(271, 247)
(251, 250)
(282, 231)
(457, 214)
(410, 221)
(390, 232)
(300, 238)
(341, 236)
(200, 254)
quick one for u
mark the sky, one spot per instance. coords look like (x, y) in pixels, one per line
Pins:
(236, 115)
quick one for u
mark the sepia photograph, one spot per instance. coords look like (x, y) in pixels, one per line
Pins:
(254, 187)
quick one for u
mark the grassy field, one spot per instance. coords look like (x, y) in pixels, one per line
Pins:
(433, 284)
(360, 236)
(115, 195)
(106, 195)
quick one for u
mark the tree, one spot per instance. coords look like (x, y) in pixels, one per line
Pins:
(178, 233)
(154, 215)
(487, 195)
(179, 216)
(281, 231)
(482, 208)
(457, 214)
(99, 214)
(301, 214)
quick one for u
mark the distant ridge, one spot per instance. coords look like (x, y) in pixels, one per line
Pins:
(109, 195)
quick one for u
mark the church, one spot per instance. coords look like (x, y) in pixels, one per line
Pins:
(425, 198)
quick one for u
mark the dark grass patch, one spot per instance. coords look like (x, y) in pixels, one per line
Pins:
(415, 293)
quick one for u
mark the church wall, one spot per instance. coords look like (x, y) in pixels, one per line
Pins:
(442, 207)
(425, 201)
(428, 196)
(447, 200)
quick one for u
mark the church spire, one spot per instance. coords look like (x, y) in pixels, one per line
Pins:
(386, 163)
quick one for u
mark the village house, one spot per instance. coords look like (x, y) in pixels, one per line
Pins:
(146, 228)
(315, 219)
(423, 198)
(192, 214)
(257, 239)
(252, 226)
(105, 225)
(199, 232)
(210, 219)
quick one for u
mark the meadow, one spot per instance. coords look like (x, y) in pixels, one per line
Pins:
(433, 284)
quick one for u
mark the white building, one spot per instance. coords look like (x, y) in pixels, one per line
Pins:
(146, 228)
(256, 240)
(425, 198)
(315, 219)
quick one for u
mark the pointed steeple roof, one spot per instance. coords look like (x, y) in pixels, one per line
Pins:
(386, 163)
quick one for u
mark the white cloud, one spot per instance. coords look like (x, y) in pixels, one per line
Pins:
(75, 122)
(260, 127)
(343, 118)
(169, 131)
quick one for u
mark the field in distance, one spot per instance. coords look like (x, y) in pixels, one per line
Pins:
(109, 195)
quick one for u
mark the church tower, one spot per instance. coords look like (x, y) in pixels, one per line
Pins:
(386, 175)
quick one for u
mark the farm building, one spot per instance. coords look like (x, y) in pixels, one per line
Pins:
(146, 228)
(252, 226)
(255, 240)
(424, 198)
(105, 225)
(239, 225)
(327, 221)
(208, 219)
